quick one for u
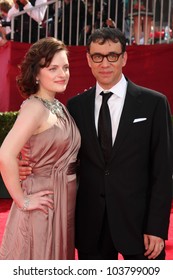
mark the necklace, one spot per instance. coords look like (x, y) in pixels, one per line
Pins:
(54, 106)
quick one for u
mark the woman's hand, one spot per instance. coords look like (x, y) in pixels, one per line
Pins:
(38, 201)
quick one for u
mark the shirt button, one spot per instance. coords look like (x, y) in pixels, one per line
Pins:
(106, 172)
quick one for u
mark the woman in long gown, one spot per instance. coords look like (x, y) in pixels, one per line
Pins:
(40, 224)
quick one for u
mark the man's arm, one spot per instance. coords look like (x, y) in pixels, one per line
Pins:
(36, 14)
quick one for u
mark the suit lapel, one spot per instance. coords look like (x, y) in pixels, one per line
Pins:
(130, 111)
(89, 117)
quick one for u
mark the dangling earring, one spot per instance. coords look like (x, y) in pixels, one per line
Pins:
(37, 81)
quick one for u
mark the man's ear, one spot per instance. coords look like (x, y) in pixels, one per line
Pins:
(88, 59)
(124, 58)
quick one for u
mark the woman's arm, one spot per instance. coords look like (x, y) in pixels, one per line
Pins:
(30, 119)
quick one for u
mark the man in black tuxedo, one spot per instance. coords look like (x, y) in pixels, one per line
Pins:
(123, 205)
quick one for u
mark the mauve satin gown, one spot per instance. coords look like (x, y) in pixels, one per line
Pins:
(34, 235)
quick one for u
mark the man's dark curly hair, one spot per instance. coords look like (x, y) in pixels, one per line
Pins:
(104, 34)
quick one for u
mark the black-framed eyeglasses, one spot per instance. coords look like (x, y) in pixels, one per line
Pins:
(111, 57)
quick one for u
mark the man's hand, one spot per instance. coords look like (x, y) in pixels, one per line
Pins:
(153, 246)
(24, 169)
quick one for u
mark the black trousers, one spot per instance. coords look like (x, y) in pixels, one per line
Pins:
(107, 251)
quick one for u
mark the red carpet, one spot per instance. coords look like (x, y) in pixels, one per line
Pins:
(6, 203)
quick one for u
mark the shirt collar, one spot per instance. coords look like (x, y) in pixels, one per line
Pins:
(119, 89)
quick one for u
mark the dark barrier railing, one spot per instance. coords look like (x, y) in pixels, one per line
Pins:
(142, 21)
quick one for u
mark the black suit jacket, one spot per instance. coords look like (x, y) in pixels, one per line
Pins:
(135, 186)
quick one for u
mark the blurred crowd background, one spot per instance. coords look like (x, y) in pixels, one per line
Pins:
(143, 21)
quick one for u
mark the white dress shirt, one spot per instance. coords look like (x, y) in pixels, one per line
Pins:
(115, 103)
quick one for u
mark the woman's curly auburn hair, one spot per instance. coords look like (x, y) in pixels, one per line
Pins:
(39, 55)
